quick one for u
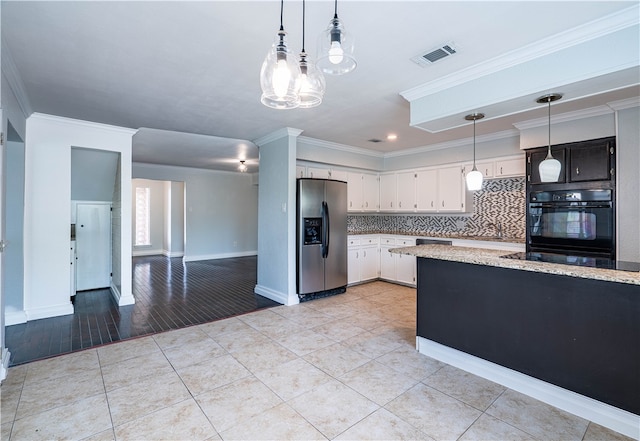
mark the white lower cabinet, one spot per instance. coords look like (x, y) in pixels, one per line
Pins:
(397, 267)
(363, 259)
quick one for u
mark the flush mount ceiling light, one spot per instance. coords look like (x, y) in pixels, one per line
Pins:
(335, 48)
(474, 177)
(549, 168)
(312, 83)
(242, 167)
(280, 74)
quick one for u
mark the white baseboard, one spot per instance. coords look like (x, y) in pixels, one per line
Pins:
(219, 256)
(172, 253)
(137, 253)
(4, 366)
(276, 296)
(606, 415)
(49, 311)
(119, 298)
(14, 317)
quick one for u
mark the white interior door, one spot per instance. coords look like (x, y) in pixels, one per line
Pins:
(93, 246)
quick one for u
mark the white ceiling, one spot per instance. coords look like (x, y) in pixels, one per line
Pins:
(187, 73)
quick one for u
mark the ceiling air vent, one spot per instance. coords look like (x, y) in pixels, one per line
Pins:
(374, 140)
(433, 55)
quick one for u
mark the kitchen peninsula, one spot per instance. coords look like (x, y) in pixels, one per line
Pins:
(569, 326)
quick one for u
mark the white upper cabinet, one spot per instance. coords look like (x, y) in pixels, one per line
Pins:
(388, 186)
(338, 175)
(318, 173)
(510, 167)
(354, 191)
(451, 189)
(427, 191)
(406, 193)
(370, 192)
(300, 171)
(484, 167)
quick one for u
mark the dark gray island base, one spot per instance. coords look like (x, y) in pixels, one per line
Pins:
(580, 334)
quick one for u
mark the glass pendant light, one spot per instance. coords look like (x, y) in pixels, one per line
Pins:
(549, 168)
(312, 84)
(335, 48)
(474, 177)
(280, 74)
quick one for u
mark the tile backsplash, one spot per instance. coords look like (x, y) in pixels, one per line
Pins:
(500, 202)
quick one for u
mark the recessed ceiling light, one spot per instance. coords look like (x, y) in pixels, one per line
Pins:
(392, 137)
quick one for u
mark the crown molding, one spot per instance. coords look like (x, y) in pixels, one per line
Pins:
(10, 71)
(340, 147)
(625, 104)
(82, 123)
(564, 117)
(563, 40)
(462, 142)
(278, 134)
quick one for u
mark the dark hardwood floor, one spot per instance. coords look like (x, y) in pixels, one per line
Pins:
(169, 294)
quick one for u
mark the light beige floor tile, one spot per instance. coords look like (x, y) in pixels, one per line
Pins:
(178, 337)
(537, 418)
(124, 350)
(9, 398)
(304, 341)
(194, 352)
(382, 425)
(229, 405)
(62, 366)
(303, 314)
(333, 407)
(278, 423)
(16, 375)
(132, 370)
(403, 336)
(180, 421)
(293, 378)
(224, 326)
(266, 355)
(377, 382)
(434, 413)
(336, 359)
(73, 421)
(489, 428)
(146, 396)
(265, 319)
(367, 321)
(339, 330)
(596, 432)
(408, 361)
(5, 431)
(468, 388)
(335, 309)
(372, 345)
(241, 339)
(107, 435)
(44, 395)
(212, 373)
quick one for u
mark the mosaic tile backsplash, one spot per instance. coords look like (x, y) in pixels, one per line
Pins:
(500, 202)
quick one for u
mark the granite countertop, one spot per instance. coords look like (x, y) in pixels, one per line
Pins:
(444, 236)
(481, 256)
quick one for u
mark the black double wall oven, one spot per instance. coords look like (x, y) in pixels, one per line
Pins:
(576, 215)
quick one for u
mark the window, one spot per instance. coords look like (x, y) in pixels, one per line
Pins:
(143, 214)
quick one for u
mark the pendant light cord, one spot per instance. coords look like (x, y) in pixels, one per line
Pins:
(281, 9)
(335, 14)
(474, 144)
(549, 153)
(303, 14)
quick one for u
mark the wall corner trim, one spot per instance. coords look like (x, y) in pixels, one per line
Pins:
(276, 296)
(278, 134)
(119, 298)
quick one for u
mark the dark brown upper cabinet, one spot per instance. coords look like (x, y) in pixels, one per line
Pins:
(581, 161)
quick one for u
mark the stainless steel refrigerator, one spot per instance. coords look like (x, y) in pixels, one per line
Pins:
(322, 237)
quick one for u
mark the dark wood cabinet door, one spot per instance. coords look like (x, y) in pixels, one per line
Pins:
(536, 156)
(590, 162)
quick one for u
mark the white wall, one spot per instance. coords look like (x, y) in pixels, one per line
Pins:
(277, 212)
(628, 184)
(174, 218)
(221, 218)
(48, 202)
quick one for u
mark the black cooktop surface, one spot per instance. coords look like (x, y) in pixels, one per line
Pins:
(594, 262)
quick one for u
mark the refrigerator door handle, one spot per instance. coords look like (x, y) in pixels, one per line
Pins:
(325, 229)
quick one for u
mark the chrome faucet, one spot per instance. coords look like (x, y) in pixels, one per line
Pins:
(498, 227)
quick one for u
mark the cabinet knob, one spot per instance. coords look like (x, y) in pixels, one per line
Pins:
(400, 204)
(501, 170)
(443, 202)
(577, 170)
(431, 204)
